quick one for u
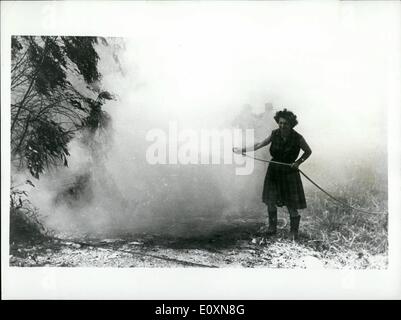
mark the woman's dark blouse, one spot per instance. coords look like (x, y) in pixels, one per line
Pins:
(285, 151)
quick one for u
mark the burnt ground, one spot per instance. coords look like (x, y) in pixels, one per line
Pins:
(240, 244)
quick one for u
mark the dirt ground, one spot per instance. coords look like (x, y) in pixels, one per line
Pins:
(238, 245)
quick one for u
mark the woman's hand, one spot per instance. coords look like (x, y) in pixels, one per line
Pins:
(238, 150)
(295, 165)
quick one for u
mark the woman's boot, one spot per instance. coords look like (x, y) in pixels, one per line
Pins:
(294, 227)
(272, 229)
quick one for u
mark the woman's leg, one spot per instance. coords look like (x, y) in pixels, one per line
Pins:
(272, 211)
(293, 212)
(294, 218)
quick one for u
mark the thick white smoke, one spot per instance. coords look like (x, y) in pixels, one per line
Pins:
(329, 67)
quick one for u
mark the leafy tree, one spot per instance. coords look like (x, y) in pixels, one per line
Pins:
(54, 94)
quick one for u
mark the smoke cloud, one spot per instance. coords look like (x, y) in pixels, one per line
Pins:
(330, 67)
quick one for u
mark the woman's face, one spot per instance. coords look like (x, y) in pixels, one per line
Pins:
(284, 125)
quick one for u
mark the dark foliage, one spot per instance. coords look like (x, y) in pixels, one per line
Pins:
(81, 51)
(50, 98)
(46, 145)
(48, 62)
(24, 223)
(97, 118)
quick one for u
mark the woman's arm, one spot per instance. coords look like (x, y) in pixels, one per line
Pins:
(307, 152)
(255, 147)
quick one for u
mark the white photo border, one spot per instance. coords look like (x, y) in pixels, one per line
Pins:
(88, 18)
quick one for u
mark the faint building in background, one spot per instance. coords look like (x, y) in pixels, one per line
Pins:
(263, 123)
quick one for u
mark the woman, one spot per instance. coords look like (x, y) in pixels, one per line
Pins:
(283, 185)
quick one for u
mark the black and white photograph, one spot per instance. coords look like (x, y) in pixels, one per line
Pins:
(258, 137)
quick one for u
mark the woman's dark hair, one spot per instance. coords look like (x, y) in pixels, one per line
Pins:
(288, 115)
